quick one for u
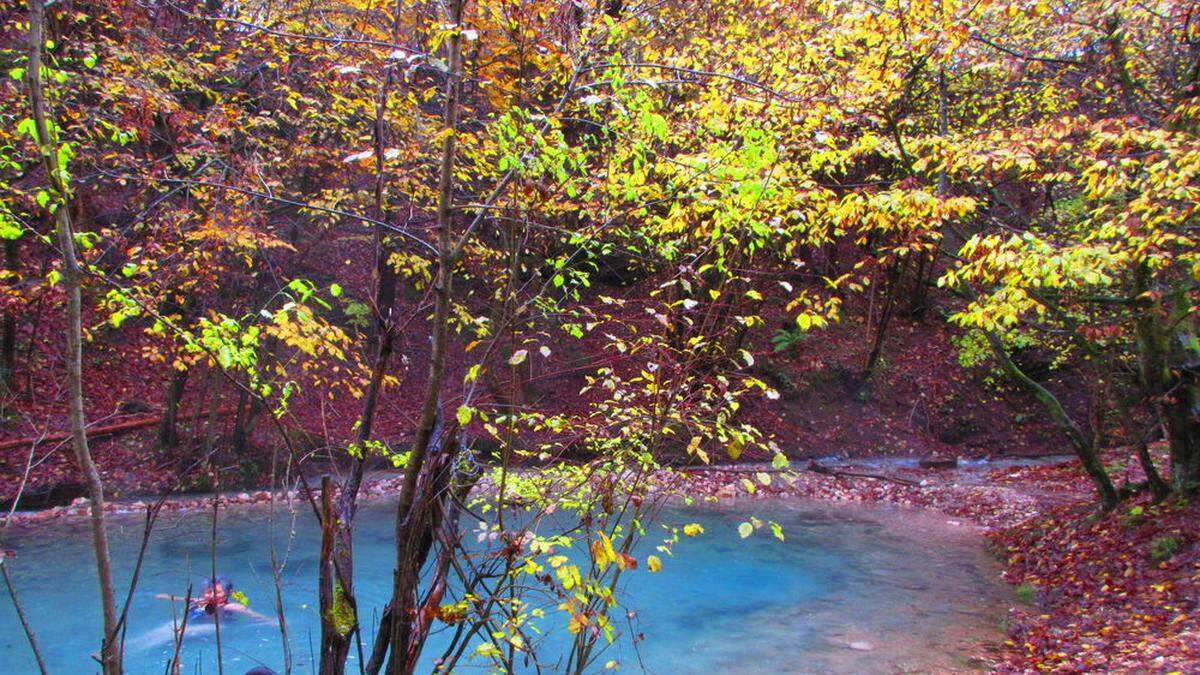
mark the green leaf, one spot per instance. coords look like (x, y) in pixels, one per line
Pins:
(463, 415)
(745, 530)
(655, 124)
(9, 229)
(487, 649)
(472, 373)
(518, 357)
(27, 127)
(335, 290)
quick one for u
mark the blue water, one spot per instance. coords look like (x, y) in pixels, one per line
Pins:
(852, 589)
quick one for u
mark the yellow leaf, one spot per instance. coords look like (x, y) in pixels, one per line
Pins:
(735, 447)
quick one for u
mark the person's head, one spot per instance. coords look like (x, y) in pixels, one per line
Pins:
(216, 592)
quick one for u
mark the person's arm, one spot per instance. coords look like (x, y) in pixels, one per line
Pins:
(246, 611)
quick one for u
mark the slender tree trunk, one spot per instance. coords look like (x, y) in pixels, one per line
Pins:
(928, 266)
(25, 627)
(885, 318)
(168, 435)
(444, 527)
(336, 576)
(110, 652)
(337, 616)
(1082, 443)
(1172, 392)
(1181, 399)
(242, 420)
(408, 519)
(337, 559)
(1158, 487)
(8, 330)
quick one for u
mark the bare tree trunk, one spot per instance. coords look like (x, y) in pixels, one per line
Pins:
(1082, 443)
(339, 606)
(408, 521)
(337, 616)
(927, 269)
(1181, 400)
(168, 435)
(1158, 487)
(404, 636)
(451, 492)
(110, 652)
(8, 330)
(28, 630)
(885, 318)
(243, 423)
(1173, 392)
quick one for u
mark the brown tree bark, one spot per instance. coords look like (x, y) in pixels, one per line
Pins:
(110, 650)
(168, 434)
(1083, 444)
(1181, 399)
(336, 576)
(1173, 391)
(410, 520)
(8, 328)
(885, 318)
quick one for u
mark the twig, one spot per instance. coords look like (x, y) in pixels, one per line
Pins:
(173, 666)
(28, 630)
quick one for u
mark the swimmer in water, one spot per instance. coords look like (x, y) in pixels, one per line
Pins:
(217, 600)
(218, 596)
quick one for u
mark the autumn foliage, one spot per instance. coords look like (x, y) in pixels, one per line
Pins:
(464, 238)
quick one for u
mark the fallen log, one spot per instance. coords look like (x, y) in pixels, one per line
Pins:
(731, 469)
(827, 471)
(92, 432)
(812, 466)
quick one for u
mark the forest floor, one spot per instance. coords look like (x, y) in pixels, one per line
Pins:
(920, 402)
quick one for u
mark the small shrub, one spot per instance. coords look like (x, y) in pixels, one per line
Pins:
(786, 338)
(1134, 517)
(1026, 594)
(1162, 548)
